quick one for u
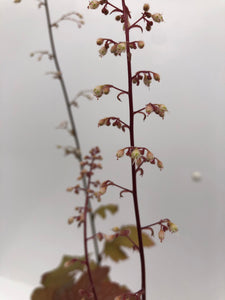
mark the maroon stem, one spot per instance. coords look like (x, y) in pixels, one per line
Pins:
(134, 180)
(86, 238)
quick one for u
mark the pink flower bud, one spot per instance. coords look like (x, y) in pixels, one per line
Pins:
(149, 156)
(70, 220)
(157, 18)
(109, 238)
(70, 189)
(102, 190)
(141, 44)
(93, 4)
(146, 7)
(99, 42)
(161, 235)
(113, 49)
(105, 89)
(101, 122)
(99, 236)
(156, 76)
(149, 109)
(159, 164)
(120, 153)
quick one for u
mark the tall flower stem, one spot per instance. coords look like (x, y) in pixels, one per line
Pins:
(87, 205)
(72, 123)
(131, 129)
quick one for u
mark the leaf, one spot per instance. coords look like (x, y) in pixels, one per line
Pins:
(62, 275)
(114, 249)
(101, 211)
(104, 287)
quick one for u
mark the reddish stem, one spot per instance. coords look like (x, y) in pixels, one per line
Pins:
(85, 234)
(134, 180)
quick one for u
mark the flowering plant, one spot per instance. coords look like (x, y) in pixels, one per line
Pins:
(93, 281)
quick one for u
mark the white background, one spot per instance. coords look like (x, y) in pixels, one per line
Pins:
(187, 50)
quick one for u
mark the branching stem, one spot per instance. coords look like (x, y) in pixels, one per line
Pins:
(134, 180)
(72, 123)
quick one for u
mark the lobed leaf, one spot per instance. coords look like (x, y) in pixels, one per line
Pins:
(114, 249)
(105, 288)
(101, 211)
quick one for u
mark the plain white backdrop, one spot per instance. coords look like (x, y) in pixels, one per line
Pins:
(187, 50)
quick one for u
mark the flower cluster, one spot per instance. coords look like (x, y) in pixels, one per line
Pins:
(139, 155)
(116, 48)
(159, 109)
(116, 122)
(165, 225)
(163, 228)
(146, 76)
(79, 218)
(100, 90)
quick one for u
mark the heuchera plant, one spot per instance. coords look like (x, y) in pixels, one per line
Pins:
(138, 155)
(81, 277)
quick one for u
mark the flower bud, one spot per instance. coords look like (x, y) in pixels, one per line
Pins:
(98, 91)
(135, 154)
(70, 220)
(148, 27)
(115, 229)
(70, 189)
(173, 227)
(161, 235)
(121, 47)
(149, 156)
(134, 80)
(156, 76)
(118, 17)
(93, 4)
(113, 49)
(157, 18)
(120, 153)
(163, 107)
(141, 44)
(102, 51)
(99, 236)
(109, 238)
(159, 164)
(105, 89)
(149, 109)
(147, 80)
(99, 41)
(102, 190)
(101, 122)
(146, 7)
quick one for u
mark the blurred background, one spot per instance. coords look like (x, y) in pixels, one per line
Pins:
(187, 50)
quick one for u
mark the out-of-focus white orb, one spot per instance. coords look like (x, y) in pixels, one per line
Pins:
(196, 176)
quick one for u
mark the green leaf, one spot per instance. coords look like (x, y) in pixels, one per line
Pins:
(101, 211)
(104, 287)
(62, 275)
(114, 249)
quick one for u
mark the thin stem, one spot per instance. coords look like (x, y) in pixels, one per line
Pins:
(87, 202)
(134, 180)
(72, 123)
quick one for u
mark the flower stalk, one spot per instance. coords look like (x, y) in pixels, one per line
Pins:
(71, 118)
(131, 129)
